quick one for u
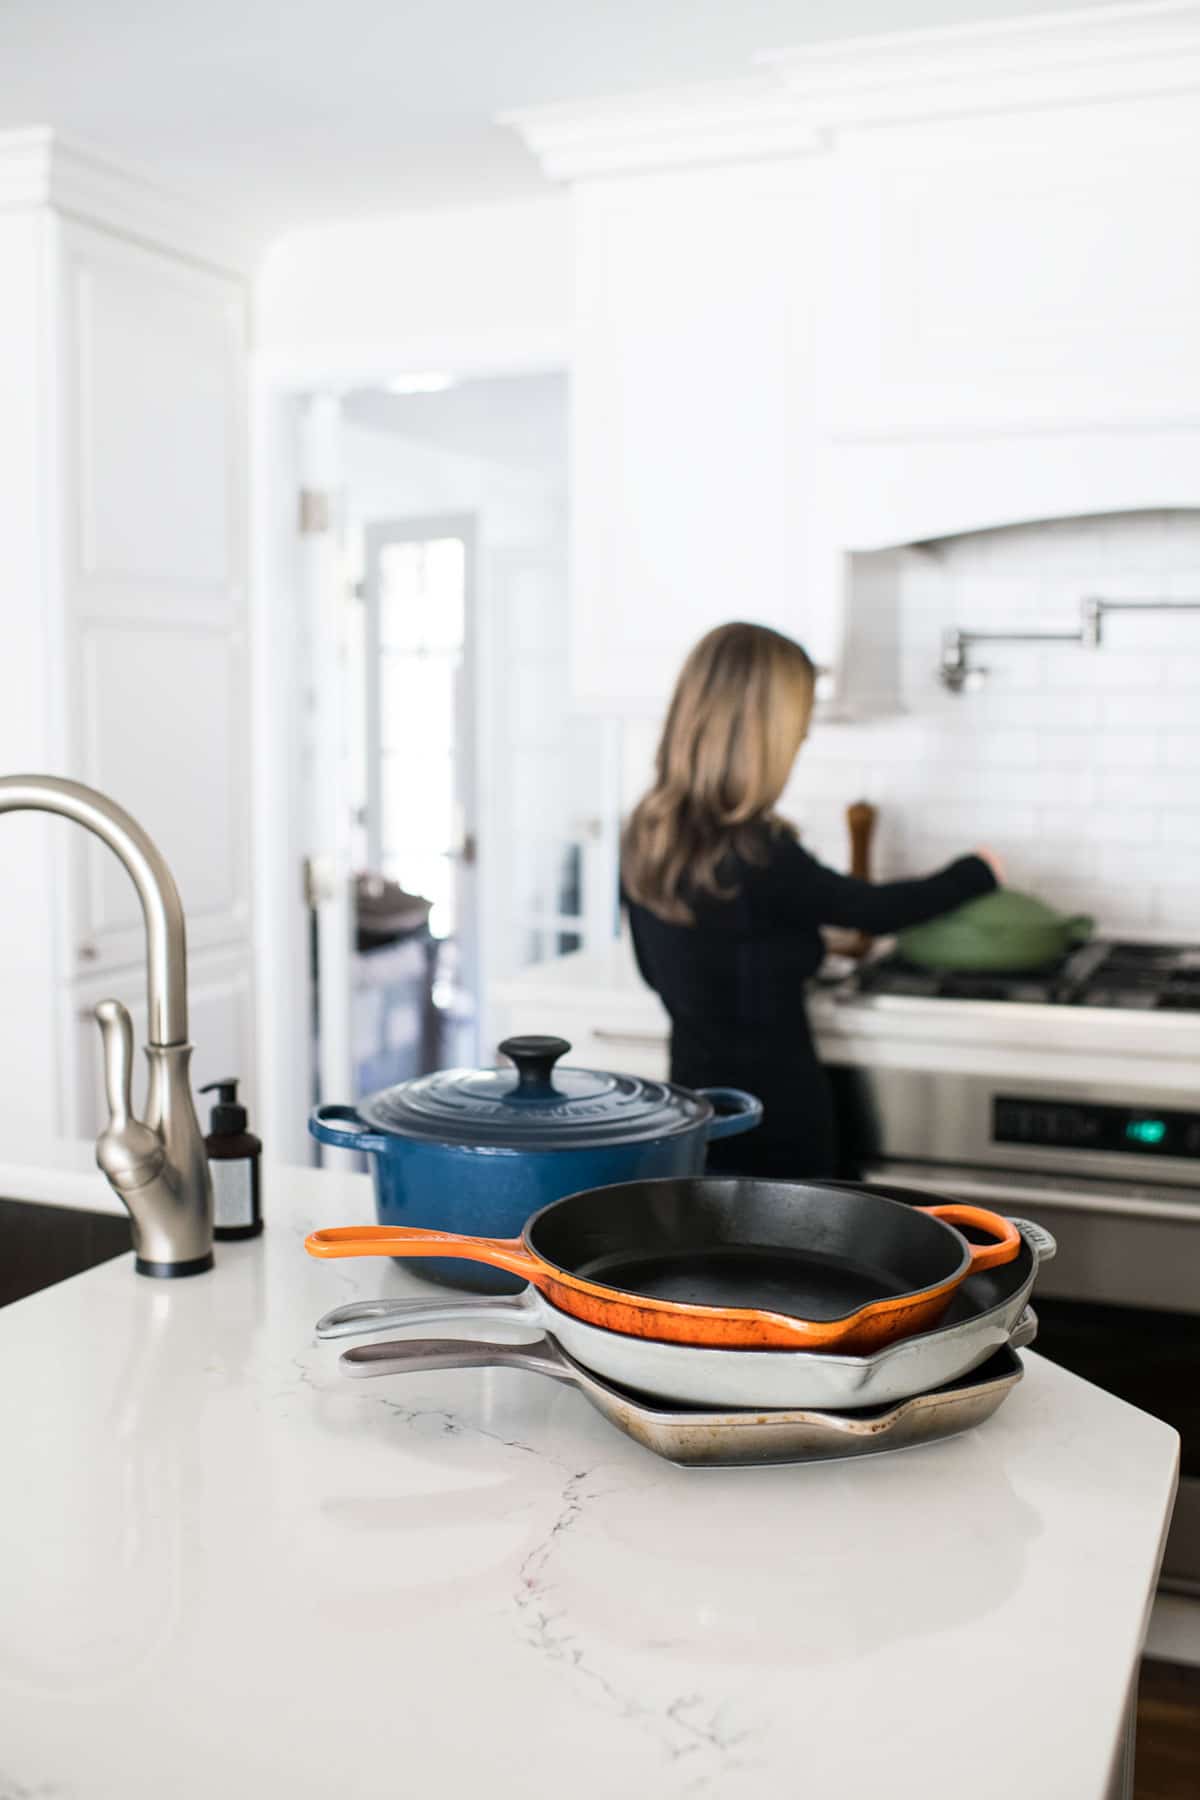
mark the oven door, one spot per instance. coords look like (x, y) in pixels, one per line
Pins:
(1118, 1305)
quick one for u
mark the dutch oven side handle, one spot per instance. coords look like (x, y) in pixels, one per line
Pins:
(734, 1112)
(341, 1125)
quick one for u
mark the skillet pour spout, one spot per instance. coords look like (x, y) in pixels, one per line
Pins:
(728, 1262)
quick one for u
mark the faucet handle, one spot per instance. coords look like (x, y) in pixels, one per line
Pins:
(116, 1032)
(130, 1153)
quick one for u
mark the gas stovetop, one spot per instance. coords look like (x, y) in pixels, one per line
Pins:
(1133, 977)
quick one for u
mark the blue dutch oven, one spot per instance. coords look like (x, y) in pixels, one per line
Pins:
(480, 1150)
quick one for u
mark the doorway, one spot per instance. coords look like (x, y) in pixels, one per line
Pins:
(417, 726)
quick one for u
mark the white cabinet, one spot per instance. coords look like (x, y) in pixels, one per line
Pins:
(127, 578)
(153, 588)
(689, 422)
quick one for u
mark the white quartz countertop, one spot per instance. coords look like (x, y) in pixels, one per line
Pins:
(228, 1571)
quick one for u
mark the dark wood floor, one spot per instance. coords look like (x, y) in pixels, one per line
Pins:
(1168, 1733)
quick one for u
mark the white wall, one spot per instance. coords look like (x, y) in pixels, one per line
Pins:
(485, 287)
(1082, 768)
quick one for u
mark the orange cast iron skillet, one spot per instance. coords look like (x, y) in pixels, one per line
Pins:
(728, 1262)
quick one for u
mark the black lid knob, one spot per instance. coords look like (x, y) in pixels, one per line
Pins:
(227, 1118)
(535, 1058)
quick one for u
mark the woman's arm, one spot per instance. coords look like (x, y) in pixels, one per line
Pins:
(804, 892)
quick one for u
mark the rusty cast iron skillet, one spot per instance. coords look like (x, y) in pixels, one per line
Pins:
(750, 1437)
(728, 1261)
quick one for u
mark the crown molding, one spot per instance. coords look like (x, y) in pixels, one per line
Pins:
(797, 101)
(669, 128)
(39, 168)
(1061, 58)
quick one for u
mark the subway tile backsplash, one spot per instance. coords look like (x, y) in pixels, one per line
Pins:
(1081, 767)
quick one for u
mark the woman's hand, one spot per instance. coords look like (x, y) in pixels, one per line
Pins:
(994, 864)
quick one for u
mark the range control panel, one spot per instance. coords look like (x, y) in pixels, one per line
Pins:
(1091, 1125)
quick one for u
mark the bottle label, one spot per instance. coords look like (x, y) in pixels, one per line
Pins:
(233, 1191)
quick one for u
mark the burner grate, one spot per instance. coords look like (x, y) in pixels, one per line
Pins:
(1148, 977)
(1129, 977)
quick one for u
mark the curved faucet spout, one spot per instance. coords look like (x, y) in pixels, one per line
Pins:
(158, 1168)
(166, 948)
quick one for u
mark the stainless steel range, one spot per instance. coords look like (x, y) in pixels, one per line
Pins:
(1072, 1097)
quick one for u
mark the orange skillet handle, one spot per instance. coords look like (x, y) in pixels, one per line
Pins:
(406, 1240)
(983, 1256)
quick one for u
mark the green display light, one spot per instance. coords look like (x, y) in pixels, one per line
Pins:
(1146, 1131)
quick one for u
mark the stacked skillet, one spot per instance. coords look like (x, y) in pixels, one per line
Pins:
(716, 1320)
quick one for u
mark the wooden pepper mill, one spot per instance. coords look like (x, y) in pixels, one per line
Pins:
(860, 819)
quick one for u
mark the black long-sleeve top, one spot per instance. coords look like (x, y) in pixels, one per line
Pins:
(733, 982)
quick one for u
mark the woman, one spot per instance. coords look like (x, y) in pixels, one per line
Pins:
(726, 906)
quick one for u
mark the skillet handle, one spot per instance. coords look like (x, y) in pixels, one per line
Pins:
(361, 1316)
(406, 1240)
(416, 1356)
(735, 1112)
(983, 1256)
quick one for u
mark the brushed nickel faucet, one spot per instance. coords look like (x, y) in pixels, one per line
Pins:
(158, 1166)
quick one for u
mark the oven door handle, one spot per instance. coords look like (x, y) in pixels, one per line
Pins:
(968, 1184)
(1126, 1206)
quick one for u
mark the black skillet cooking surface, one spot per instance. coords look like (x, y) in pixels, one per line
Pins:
(809, 1286)
(741, 1242)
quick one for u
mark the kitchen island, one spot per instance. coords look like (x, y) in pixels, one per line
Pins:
(230, 1571)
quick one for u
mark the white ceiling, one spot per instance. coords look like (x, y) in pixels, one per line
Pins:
(519, 421)
(289, 111)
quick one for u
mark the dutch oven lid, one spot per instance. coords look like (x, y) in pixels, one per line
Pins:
(535, 1106)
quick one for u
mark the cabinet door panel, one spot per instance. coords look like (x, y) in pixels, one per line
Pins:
(157, 373)
(162, 711)
(1016, 284)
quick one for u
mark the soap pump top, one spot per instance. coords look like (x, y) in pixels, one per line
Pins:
(228, 1118)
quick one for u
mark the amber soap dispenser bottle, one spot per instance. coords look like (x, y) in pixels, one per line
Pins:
(234, 1155)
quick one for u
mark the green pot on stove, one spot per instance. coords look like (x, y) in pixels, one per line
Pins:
(1001, 933)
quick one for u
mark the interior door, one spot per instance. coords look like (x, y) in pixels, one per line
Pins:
(422, 828)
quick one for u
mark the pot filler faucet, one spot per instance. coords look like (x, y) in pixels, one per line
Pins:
(158, 1166)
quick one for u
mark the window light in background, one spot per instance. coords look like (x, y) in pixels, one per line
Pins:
(421, 381)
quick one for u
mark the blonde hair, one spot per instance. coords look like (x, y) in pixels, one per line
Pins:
(739, 713)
